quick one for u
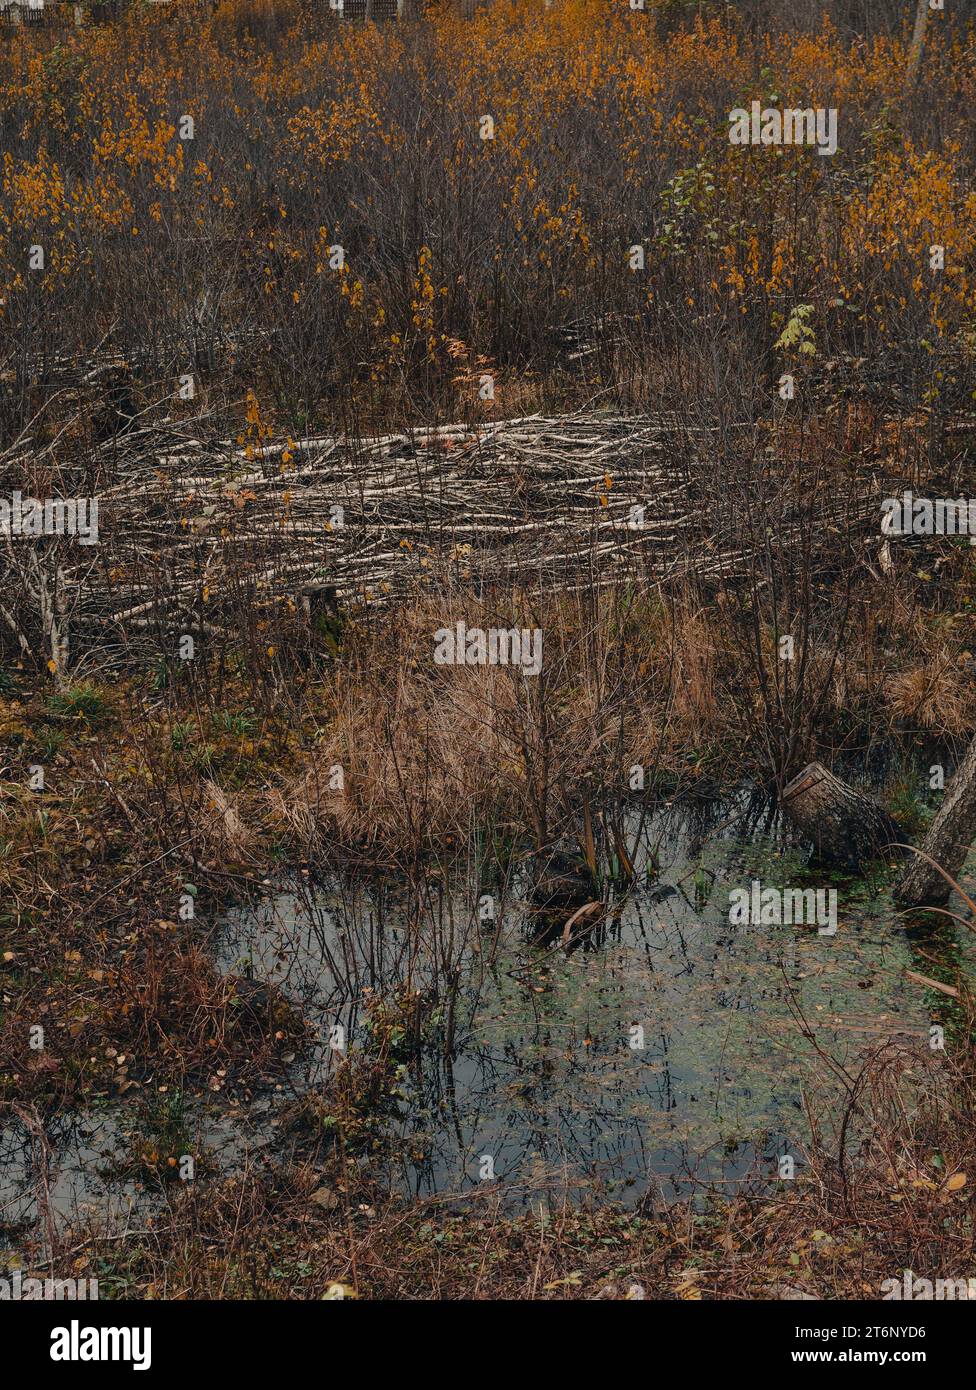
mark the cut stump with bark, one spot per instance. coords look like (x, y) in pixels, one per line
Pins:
(948, 841)
(845, 827)
(562, 888)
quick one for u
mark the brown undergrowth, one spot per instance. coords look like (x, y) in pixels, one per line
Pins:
(158, 806)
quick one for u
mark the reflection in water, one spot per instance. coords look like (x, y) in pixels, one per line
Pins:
(665, 1056)
(68, 1177)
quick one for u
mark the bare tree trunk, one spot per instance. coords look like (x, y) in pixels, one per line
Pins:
(54, 611)
(845, 826)
(918, 46)
(948, 841)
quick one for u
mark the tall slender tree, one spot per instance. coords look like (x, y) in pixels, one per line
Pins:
(915, 53)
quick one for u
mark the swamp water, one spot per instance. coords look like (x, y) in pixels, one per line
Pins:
(666, 1056)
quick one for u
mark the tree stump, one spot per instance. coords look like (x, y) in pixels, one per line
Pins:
(561, 887)
(950, 838)
(846, 827)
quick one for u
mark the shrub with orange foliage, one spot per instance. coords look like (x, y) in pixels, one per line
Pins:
(610, 131)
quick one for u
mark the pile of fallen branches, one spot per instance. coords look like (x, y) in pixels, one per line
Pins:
(191, 527)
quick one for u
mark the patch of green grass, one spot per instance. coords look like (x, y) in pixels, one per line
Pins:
(204, 757)
(909, 809)
(84, 701)
(49, 744)
(162, 1141)
(239, 722)
(181, 736)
